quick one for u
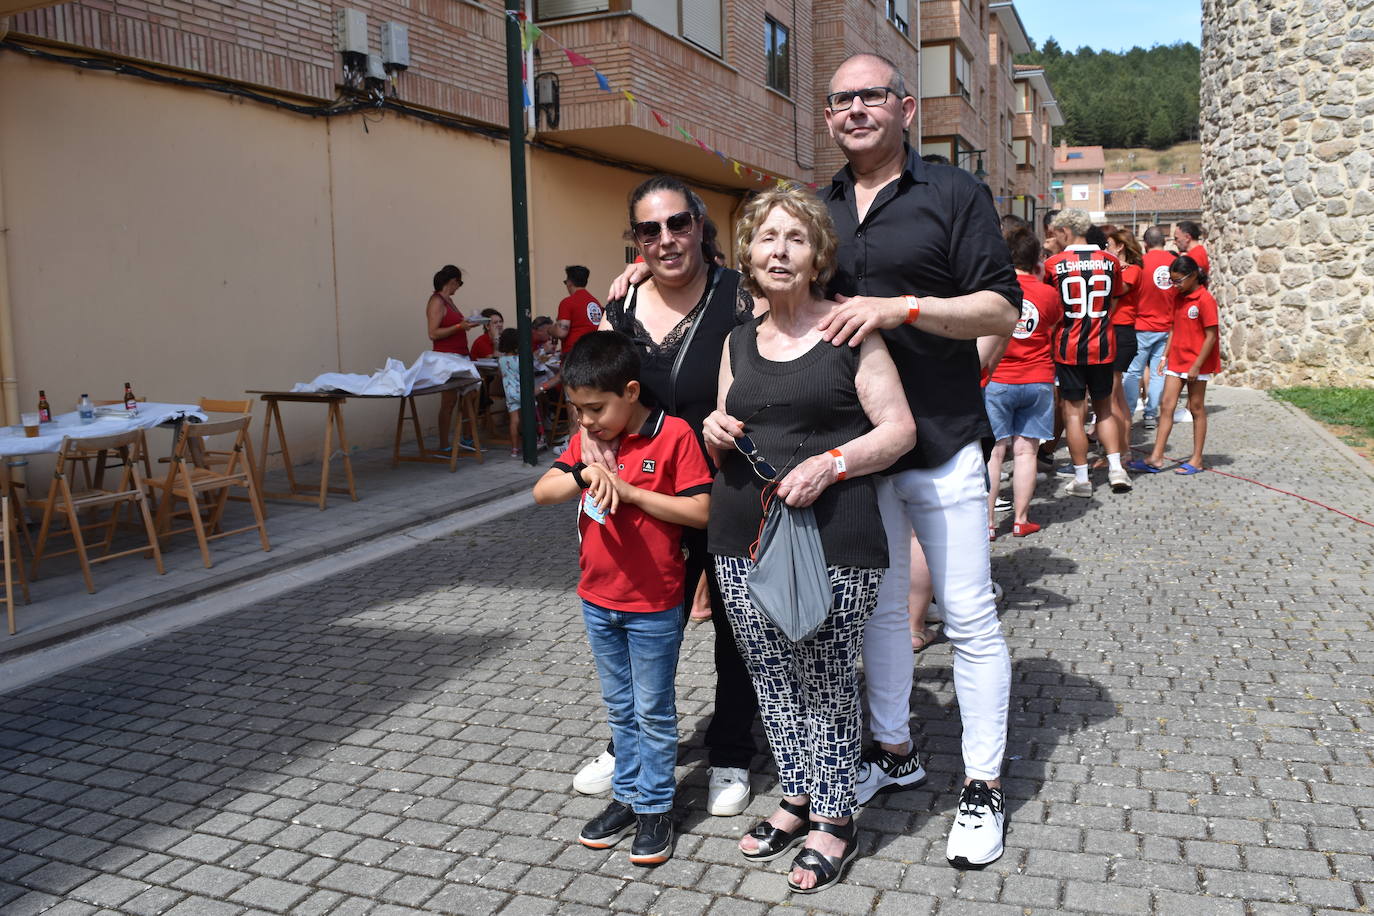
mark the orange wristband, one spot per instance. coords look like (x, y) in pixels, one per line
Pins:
(839, 463)
(913, 309)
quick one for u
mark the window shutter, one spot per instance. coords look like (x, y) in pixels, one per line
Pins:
(554, 9)
(701, 24)
(661, 14)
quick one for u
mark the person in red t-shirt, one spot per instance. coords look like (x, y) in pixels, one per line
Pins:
(1191, 358)
(1084, 346)
(1122, 245)
(634, 583)
(1153, 320)
(484, 347)
(1020, 394)
(1188, 239)
(579, 313)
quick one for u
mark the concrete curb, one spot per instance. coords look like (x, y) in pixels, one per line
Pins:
(1327, 436)
(270, 564)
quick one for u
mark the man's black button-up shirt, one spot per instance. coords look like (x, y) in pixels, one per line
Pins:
(932, 232)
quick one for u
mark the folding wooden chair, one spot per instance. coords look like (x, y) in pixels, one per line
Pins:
(131, 447)
(190, 476)
(12, 556)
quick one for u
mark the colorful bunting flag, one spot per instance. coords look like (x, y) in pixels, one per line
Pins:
(601, 81)
(659, 118)
(736, 165)
(682, 130)
(577, 60)
(629, 95)
(530, 35)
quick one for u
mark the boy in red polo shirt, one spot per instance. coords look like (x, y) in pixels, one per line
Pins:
(633, 577)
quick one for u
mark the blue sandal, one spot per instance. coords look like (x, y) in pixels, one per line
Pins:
(1135, 464)
(827, 869)
(1187, 470)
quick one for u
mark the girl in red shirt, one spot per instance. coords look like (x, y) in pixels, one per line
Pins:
(1191, 358)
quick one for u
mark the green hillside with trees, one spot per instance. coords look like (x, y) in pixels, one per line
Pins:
(1122, 99)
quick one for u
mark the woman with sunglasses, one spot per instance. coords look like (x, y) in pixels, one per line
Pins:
(817, 420)
(680, 315)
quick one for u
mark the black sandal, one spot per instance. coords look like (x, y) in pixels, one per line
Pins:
(827, 869)
(774, 841)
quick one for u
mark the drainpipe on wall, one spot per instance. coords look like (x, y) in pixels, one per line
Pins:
(8, 380)
(919, 132)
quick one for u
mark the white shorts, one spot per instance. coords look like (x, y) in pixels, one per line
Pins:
(1184, 376)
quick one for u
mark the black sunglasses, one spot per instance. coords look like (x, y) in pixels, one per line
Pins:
(650, 230)
(760, 465)
(872, 97)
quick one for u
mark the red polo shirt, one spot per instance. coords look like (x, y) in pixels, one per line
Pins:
(582, 313)
(1193, 315)
(634, 562)
(1155, 301)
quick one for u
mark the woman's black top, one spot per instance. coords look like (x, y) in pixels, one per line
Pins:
(793, 410)
(692, 396)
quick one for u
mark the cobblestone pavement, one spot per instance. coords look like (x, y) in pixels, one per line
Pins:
(1190, 733)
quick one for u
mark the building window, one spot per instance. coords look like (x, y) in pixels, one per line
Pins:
(963, 73)
(777, 48)
(1024, 150)
(1080, 192)
(894, 15)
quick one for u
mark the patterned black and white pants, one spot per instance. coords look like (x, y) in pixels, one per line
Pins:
(809, 690)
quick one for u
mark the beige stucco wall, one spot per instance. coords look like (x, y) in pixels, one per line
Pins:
(199, 245)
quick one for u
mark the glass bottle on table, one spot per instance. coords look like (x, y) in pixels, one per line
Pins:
(44, 411)
(85, 409)
(130, 402)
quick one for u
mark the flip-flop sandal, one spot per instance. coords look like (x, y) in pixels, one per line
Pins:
(774, 841)
(827, 869)
(923, 640)
(1135, 464)
(1187, 470)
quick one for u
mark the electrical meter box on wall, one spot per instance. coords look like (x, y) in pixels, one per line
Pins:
(395, 46)
(351, 31)
(375, 70)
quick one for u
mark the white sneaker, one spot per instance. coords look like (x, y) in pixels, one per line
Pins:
(996, 591)
(1120, 480)
(979, 825)
(1075, 488)
(728, 792)
(595, 777)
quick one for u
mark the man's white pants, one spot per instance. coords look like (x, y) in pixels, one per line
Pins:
(948, 509)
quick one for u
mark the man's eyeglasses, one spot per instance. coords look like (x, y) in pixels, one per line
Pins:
(651, 230)
(872, 97)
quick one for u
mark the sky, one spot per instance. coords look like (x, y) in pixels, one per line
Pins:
(1111, 25)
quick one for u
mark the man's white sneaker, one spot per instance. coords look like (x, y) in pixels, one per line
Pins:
(882, 771)
(979, 826)
(1120, 480)
(595, 777)
(728, 792)
(1079, 488)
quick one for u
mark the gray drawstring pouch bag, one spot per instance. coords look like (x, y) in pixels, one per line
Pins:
(789, 582)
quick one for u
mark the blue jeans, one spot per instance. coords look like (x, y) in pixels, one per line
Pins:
(1149, 351)
(636, 659)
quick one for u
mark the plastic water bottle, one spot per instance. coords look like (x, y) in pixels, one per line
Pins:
(86, 409)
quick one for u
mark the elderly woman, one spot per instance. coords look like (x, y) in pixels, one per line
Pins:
(680, 315)
(448, 333)
(818, 419)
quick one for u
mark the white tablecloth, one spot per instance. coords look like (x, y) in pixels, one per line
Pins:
(108, 422)
(430, 368)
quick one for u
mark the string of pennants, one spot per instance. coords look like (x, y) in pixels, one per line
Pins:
(530, 33)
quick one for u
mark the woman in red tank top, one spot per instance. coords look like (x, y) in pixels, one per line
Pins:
(447, 334)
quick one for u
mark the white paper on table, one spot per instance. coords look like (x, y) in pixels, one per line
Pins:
(394, 380)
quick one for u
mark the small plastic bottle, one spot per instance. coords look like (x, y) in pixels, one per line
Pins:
(86, 409)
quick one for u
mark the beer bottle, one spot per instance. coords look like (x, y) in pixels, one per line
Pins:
(130, 402)
(44, 411)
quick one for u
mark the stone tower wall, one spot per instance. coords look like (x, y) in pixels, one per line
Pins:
(1288, 150)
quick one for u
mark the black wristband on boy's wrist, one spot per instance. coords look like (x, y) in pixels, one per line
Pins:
(577, 470)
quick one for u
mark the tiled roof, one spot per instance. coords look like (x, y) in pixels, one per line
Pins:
(1172, 200)
(1079, 159)
(1114, 180)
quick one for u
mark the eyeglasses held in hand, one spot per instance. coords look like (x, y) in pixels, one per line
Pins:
(651, 230)
(872, 97)
(760, 465)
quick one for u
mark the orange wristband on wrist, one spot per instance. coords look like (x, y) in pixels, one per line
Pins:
(913, 309)
(839, 463)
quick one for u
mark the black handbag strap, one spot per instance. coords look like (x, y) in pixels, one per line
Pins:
(700, 308)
